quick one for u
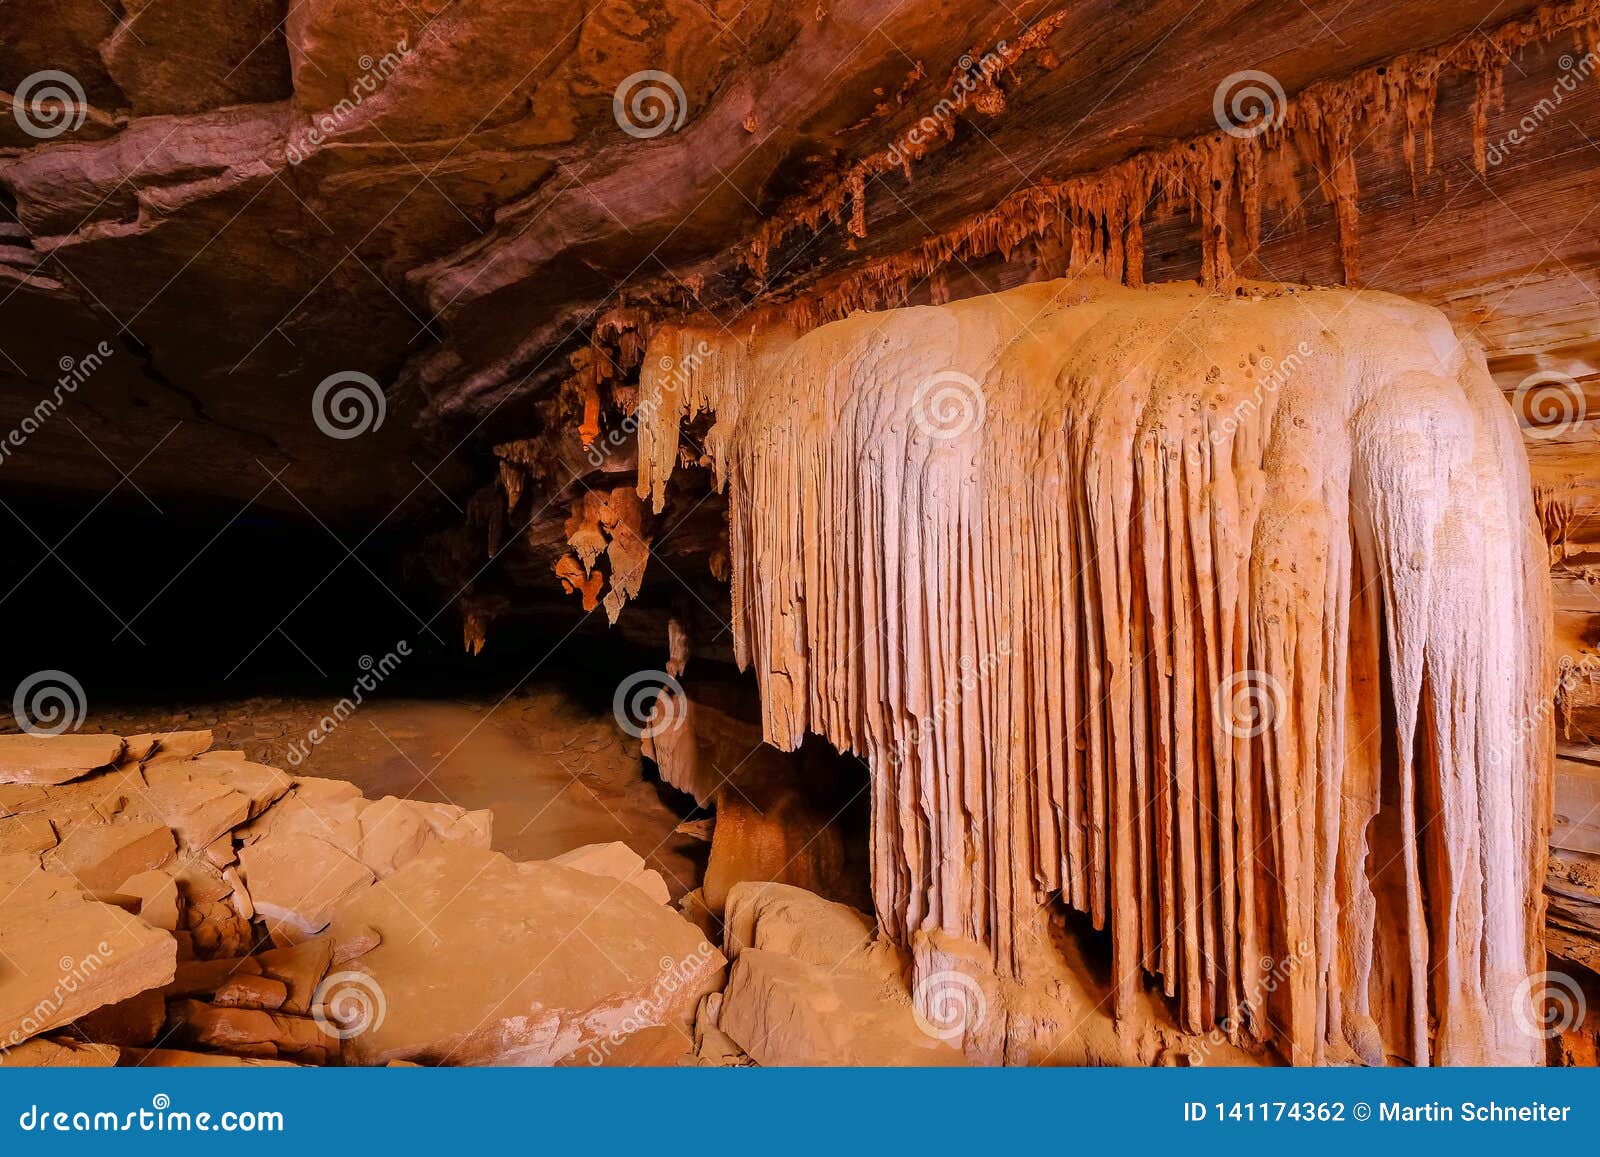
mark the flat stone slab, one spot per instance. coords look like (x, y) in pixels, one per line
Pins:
(485, 961)
(54, 759)
(63, 955)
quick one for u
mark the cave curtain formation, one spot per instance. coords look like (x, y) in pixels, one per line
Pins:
(1222, 619)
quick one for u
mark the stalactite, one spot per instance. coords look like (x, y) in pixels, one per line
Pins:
(677, 648)
(578, 580)
(1218, 618)
(477, 612)
(973, 83)
(1325, 119)
(511, 483)
(607, 524)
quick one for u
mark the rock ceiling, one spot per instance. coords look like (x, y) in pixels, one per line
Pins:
(440, 197)
(440, 206)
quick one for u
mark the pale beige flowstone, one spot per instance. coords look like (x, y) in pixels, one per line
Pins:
(1220, 618)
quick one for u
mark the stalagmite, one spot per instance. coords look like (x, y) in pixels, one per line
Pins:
(1219, 618)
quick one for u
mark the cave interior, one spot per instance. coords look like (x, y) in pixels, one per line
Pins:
(1062, 532)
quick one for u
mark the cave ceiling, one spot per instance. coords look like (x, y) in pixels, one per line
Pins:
(320, 261)
(244, 206)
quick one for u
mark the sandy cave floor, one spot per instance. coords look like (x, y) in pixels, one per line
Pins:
(555, 775)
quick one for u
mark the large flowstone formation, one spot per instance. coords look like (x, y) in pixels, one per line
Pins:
(1220, 618)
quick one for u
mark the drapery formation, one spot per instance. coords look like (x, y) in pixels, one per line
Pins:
(1222, 618)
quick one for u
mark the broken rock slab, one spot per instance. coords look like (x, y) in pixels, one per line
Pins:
(184, 1059)
(300, 968)
(783, 1011)
(395, 831)
(323, 842)
(205, 797)
(157, 893)
(28, 834)
(783, 918)
(297, 881)
(384, 834)
(175, 744)
(102, 856)
(109, 796)
(59, 1053)
(812, 985)
(620, 862)
(252, 1032)
(63, 955)
(53, 759)
(485, 961)
(246, 991)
